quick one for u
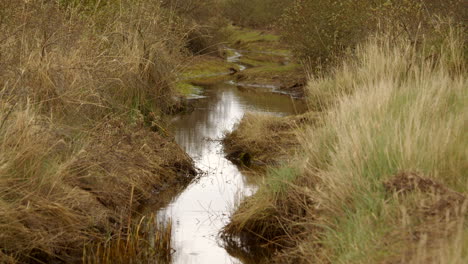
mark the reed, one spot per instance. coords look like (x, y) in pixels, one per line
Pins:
(149, 241)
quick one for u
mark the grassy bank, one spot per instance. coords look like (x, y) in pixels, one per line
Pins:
(265, 140)
(203, 70)
(381, 178)
(84, 86)
(269, 60)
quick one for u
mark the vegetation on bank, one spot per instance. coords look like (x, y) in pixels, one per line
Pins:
(374, 174)
(84, 85)
(265, 140)
(380, 176)
(368, 167)
(323, 31)
(205, 70)
(268, 60)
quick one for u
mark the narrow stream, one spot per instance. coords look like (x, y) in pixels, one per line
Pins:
(204, 207)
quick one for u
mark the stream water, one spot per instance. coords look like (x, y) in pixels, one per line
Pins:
(203, 208)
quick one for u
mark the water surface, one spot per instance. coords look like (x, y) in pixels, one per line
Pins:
(204, 207)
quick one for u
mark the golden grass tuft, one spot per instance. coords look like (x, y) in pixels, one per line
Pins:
(264, 139)
(40, 214)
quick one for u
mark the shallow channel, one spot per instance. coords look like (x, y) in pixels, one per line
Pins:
(201, 210)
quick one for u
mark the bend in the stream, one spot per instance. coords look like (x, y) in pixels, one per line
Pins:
(201, 210)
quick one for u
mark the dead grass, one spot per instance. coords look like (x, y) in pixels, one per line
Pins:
(59, 192)
(264, 139)
(125, 161)
(83, 86)
(81, 63)
(148, 242)
(389, 110)
(41, 216)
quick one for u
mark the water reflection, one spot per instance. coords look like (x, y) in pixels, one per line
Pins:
(202, 209)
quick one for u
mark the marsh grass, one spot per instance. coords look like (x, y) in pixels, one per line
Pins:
(120, 56)
(59, 192)
(263, 139)
(83, 86)
(149, 241)
(390, 114)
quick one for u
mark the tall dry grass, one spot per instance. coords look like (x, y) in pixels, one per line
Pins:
(40, 215)
(383, 178)
(120, 55)
(81, 82)
(397, 110)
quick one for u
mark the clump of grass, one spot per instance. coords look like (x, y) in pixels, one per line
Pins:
(391, 111)
(264, 139)
(41, 216)
(288, 77)
(268, 220)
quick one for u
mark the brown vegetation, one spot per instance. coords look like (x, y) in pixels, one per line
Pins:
(323, 32)
(387, 109)
(265, 140)
(83, 86)
(147, 242)
(255, 13)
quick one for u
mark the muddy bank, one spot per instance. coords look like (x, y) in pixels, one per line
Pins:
(89, 197)
(126, 156)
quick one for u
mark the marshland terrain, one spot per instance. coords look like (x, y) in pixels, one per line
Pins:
(233, 131)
